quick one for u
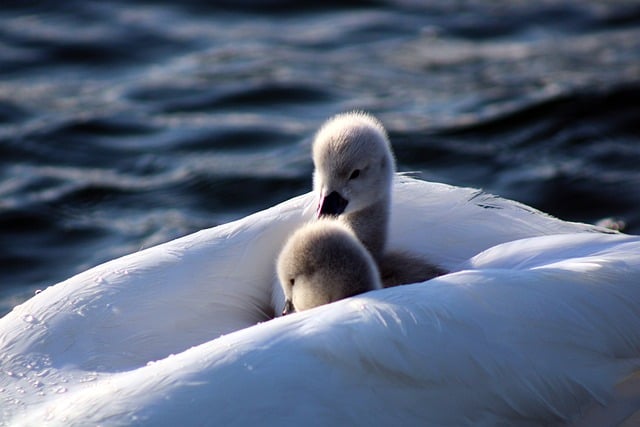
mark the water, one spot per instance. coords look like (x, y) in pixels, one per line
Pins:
(127, 124)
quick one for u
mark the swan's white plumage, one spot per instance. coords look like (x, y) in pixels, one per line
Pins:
(159, 301)
(524, 347)
(79, 349)
(450, 224)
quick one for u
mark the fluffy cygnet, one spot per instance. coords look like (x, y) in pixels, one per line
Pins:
(353, 176)
(323, 262)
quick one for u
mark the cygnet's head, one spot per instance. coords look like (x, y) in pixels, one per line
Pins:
(354, 165)
(323, 262)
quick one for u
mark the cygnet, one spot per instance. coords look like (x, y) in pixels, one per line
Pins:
(353, 177)
(323, 262)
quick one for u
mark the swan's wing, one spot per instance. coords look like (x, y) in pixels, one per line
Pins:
(486, 347)
(560, 250)
(161, 300)
(447, 224)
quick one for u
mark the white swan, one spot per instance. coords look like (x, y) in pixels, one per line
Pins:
(323, 262)
(543, 340)
(93, 335)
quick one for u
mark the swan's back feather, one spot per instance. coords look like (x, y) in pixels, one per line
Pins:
(479, 347)
(447, 224)
(158, 301)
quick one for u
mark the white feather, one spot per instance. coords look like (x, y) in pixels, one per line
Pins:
(527, 332)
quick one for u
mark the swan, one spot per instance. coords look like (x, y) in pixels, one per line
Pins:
(183, 292)
(518, 337)
(323, 262)
(114, 326)
(353, 172)
(353, 177)
(206, 293)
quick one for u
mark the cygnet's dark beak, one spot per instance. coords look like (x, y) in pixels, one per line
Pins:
(333, 204)
(288, 308)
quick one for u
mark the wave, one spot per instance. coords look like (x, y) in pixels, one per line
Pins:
(125, 124)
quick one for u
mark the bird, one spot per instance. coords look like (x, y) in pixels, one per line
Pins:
(209, 292)
(353, 178)
(538, 331)
(353, 173)
(322, 262)
(185, 291)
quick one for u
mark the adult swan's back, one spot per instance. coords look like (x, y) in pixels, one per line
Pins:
(538, 340)
(143, 307)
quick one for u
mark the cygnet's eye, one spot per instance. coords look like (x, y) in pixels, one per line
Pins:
(292, 282)
(354, 174)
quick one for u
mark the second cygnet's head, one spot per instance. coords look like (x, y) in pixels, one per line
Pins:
(323, 262)
(354, 164)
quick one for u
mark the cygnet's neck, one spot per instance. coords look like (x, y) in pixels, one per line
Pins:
(370, 225)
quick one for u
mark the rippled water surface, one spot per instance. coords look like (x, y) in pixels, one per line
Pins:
(125, 124)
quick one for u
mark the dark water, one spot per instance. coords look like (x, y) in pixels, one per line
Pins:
(125, 124)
